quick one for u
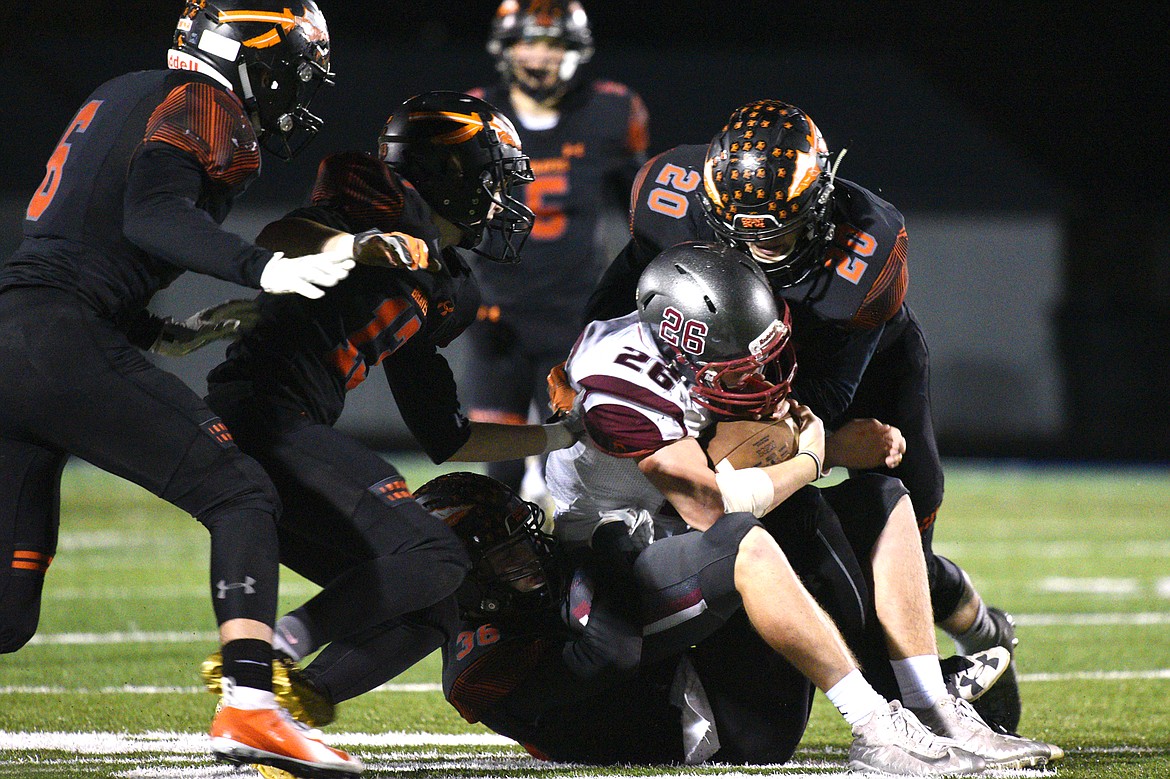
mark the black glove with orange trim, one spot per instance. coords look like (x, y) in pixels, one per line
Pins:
(394, 250)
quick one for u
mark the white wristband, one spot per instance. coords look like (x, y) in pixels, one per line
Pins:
(556, 436)
(748, 489)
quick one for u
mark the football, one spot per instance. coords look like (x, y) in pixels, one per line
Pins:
(752, 444)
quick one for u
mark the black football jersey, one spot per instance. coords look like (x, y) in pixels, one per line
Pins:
(135, 192)
(588, 159)
(839, 314)
(310, 353)
(520, 680)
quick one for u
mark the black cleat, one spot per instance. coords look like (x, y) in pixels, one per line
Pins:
(1000, 705)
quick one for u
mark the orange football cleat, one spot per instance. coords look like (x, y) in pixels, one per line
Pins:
(272, 737)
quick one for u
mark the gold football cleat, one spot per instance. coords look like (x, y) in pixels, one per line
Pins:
(293, 691)
(272, 772)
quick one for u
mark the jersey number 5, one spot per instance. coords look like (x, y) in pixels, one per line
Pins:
(672, 202)
(56, 164)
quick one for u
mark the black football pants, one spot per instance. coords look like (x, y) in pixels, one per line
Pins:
(349, 522)
(73, 384)
(896, 390)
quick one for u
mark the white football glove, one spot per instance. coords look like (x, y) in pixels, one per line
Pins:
(225, 320)
(305, 275)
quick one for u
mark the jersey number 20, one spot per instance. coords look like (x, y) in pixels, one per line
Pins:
(673, 201)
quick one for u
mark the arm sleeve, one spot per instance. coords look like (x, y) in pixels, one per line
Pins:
(614, 294)
(424, 389)
(830, 373)
(161, 217)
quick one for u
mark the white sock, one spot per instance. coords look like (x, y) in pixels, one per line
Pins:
(854, 697)
(246, 697)
(920, 680)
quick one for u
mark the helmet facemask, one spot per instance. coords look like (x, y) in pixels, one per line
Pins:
(282, 95)
(752, 386)
(502, 233)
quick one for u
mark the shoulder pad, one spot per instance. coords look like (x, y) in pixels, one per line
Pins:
(362, 188)
(664, 200)
(888, 292)
(210, 124)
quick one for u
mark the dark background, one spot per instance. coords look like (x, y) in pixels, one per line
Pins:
(958, 108)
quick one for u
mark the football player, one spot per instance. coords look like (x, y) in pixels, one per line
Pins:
(133, 196)
(836, 253)
(587, 139)
(709, 342)
(542, 655)
(444, 177)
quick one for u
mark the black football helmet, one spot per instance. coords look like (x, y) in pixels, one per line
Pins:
(464, 157)
(514, 566)
(768, 175)
(710, 308)
(273, 55)
(562, 21)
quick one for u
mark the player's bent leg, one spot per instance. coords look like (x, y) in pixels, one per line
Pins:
(786, 615)
(901, 595)
(975, 627)
(418, 562)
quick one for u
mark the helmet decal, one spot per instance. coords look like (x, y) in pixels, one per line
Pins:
(473, 124)
(766, 175)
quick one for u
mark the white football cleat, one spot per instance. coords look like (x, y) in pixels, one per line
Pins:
(892, 741)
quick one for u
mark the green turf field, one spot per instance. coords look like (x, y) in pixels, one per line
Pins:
(109, 686)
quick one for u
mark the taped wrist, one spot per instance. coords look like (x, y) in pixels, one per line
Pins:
(747, 489)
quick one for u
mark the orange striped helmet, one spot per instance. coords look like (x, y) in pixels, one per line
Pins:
(464, 157)
(514, 566)
(273, 55)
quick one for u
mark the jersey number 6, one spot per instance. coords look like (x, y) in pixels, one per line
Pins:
(56, 164)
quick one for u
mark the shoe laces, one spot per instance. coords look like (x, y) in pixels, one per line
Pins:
(967, 716)
(909, 729)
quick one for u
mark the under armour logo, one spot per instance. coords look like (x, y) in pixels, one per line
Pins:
(246, 584)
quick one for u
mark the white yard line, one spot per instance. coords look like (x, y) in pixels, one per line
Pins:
(189, 636)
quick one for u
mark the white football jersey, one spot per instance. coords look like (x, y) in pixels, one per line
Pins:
(634, 402)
